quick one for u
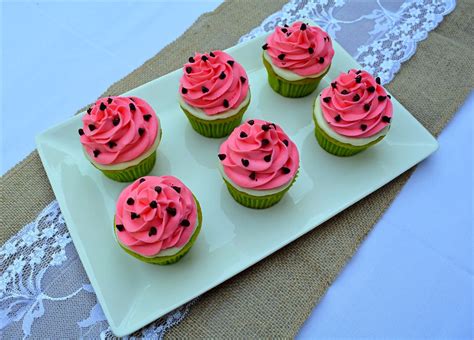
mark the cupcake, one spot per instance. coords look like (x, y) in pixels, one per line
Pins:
(352, 114)
(157, 219)
(259, 163)
(297, 57)
(120, 136)
(214, 93)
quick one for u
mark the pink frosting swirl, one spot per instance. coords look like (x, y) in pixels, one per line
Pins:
(213, 82)
(154, 214)
(356, 105)
(303, 49)
(259, 155)
(118, 129)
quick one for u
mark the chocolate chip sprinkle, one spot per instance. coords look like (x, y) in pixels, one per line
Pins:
(141, 131)
(109, 100)
(230, 62)
(321, 60)
(191, 60)
(134, 215)
(111, 144)
(285, 170)
(358, 79)
(116, 121)
(130, 201)
(253, 176)
(132, 107)
(284, 30)
(371, 89)
(363, 127)
(267, 158)
(366, 107)
(344, 92)
(389, 96)
(243, 134)
(245, 162)
(81, 132)
(146, 117)
(171, 211)
(251, 122)
(377, 80)
(386, 119)
(142, 180)
(119, 227)
(212, 54)
(152, 231)
(102, 106)
(337, 118)
(222, 75)
(381, 98)
(265, 142)
(204, 58)
(243, 79)
(176, 188)
(158, 189)
(265, 46)
(356, 98)
(358, 71)
(226, 103)
(326, 99)
(189, 69)
(221, 156)
(91, 127)
(310, 50)
(89, 110)
(285, 141)
(265, 127)
(334, 85)
(185, 223)
(96, 153)
(281, 56)
(204, 89)
(303, 26)
(153, 204)
(184, 90)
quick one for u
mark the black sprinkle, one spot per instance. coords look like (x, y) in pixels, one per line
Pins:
(226, 103)
(265, 46)
(120, 227)
(337, 118)
(285, 170)
(251, 122)
(134, 215)
(96, 153)
(253, 176)
(356, 98)
(152, 231)
(243, 79)
(147, 117)
(243, 134)
(81, 132)
(204, 89)
(102, 106)
(89, 110)
(245, 162)
(265, 127)
(222, 75)
(142, 180)
(189, 69)
(184, 90)
(344, 92)
(111, 144)
(212, 54)
(267, 158)
(281, 56)
(363, 127)
(284, 30)
(358, 79)
(230, 62)
(381, 98)
(334, 85)
(366, 107)
(265, 142)
(377, 80)
(386, 119)
(91, 127)
(221, 156)
(326, 99)
(141, 131)
(109, 100)
(285, 141)
(130, 201)
(132, 107)
(204, 58)
(285, 25)
(371, 89)
(389, 96)
(171, 211)
(116, 121)
(359, 71)
(191, 60)
(303, 27)
(311, 50)
(321, 60)
(158, 189)
(185, 223)
(133, 100)
(177, 189)
(153, 204)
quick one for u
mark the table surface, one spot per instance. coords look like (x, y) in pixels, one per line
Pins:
(413, 275)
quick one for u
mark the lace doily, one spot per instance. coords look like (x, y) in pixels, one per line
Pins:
(42, 279)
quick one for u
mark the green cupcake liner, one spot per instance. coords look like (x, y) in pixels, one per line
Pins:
(338, 148)
(133, 172)
(166, 260)
(291, 89)
(215, 128)
(257, 202)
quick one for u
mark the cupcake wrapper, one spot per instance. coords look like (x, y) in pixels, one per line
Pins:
(132, 173)
(257, 202)
(292, 89)
(216, 128)
(338, 148)
(166, 260)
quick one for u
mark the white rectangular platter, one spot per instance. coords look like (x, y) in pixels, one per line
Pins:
(133, 294)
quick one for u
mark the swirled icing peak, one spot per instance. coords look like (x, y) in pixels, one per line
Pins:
(213, 82)
(154, 214)
(301, 48)
(118, 129)
(356, 105)
(259, 155)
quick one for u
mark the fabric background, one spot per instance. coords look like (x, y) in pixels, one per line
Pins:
(275, 296)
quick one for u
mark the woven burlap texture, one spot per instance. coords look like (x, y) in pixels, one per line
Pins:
(274, 297)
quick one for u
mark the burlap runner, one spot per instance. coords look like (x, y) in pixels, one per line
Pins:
(274, 297)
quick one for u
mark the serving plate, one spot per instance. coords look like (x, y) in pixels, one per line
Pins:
(133, 294)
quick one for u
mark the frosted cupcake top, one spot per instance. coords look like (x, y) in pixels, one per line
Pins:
(154, 214)
(301, 48)
(118, 129)
(259, 155)
(214, 82)
(356, 105)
